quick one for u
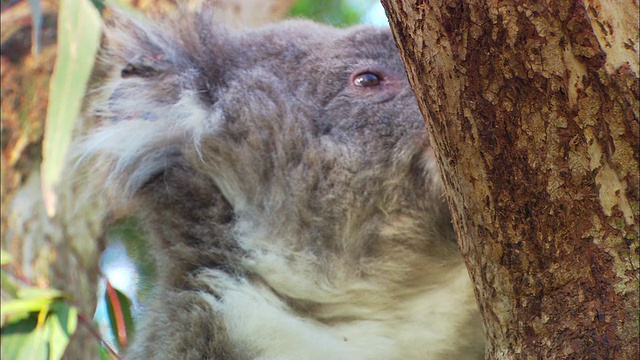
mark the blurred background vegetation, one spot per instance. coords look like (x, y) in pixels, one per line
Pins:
(40, 105)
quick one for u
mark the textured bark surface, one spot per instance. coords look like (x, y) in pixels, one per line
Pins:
(61, 252)
(533, 109)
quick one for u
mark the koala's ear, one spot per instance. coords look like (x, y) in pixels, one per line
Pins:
(148, 106)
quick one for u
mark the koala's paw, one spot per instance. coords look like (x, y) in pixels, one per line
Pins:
(261, 324)
(217, 284)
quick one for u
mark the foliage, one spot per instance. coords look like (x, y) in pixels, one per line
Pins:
(37, 323)
(78, 40)
(334, 12)
(119, 313)
(128, 232)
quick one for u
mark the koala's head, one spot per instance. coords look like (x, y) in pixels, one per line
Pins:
(294, 141)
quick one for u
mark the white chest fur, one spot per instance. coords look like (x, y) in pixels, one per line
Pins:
(421, 326)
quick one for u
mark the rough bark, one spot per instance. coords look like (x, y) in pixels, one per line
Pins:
(60, 252)
(533, 110)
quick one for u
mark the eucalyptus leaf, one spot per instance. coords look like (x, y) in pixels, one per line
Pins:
(79, 27)
(125, 313)
(15, 317)
(24, 340)
(34, 292)
(68, 316)
(62, 323)
(5, 257)
(104, 354)
(9, 285)
(20, 306)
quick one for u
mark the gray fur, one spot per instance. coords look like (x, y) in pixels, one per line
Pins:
(265, 176)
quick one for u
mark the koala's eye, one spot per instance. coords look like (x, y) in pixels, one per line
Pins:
(366, 79)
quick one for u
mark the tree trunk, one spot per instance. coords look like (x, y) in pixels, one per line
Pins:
(60, 252)
(533, 112)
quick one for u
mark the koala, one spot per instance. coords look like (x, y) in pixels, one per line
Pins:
(288, 188)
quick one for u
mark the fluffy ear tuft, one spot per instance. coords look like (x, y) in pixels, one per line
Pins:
(148, 107)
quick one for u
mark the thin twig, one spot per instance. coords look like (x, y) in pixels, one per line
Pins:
(82, 319)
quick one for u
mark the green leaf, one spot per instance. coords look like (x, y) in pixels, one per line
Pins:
(335, 12)
(78, 40)
(15, 317)
(130, 234)
(104, 353)
(68, 316)
(24, 340)
(34, 292)
(124, 312)
(5, 257)
(21, 306)
(8, 284)
(62, 324)
(99, 4)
